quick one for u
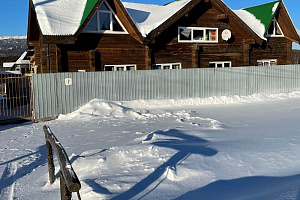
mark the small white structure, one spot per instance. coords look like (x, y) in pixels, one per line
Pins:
(22, 65)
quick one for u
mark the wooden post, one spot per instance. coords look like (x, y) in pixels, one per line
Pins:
(65, 194)
(66, 169)
(93, 60)
(51, 167)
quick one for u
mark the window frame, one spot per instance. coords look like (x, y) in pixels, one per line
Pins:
(165, 64)
(117, 66)
(275, 22)
(192, 35)
(112, 14)
(267, 61)
(220, 62)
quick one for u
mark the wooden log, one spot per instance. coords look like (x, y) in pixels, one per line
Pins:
(66, 168)
(65, 194)
(51, 167)
(222, 17)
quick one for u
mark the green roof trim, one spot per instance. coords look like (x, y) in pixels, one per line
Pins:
(170, 2)
(90, 4)
(264, 12)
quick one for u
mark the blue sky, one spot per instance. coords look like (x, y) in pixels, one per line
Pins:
(13, 14)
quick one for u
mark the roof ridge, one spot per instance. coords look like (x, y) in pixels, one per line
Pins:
(261, 4)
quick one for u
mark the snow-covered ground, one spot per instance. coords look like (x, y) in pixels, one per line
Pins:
(228, 148)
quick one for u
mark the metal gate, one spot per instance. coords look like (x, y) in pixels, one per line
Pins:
(15, 97)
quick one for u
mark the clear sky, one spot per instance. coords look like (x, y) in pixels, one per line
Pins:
(13, 13)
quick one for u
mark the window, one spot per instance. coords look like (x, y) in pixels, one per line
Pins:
(105, 21)
(274, 30)
(167, 66)
(269, 62)
(119, 67)
(198, 35)
(220, 64)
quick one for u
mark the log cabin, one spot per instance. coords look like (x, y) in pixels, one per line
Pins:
(110, 35)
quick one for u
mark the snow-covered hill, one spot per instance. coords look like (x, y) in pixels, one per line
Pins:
(12, 45)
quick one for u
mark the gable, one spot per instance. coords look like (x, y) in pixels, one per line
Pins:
(223, 11)
(148, 17)
(264, 13)
(286, 24)
(105, 20)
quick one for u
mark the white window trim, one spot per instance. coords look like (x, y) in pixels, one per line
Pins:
(192, 35)
(267, 61)
(116, 66)
(221, 62)
(164, 64)
(274, 21)
(112, 13)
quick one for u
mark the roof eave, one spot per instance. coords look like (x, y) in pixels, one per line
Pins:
(297, 38)
(245, 26)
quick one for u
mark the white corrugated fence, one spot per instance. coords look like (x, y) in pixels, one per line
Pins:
(63, 93)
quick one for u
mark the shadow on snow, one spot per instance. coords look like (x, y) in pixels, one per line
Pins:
(9, 177)
(249, 188)
(184, 144)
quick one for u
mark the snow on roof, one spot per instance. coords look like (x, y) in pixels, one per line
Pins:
(298, 31)
(147, 17)
(253, 23)
(8, 64)
(275, 8)
(64, 17)
(22, 60)
(59, 17)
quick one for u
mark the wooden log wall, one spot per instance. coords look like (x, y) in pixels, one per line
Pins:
(81, 60)
(278, 48)
(47, 58)
(120, 50)
(193, 55)
(92, 52)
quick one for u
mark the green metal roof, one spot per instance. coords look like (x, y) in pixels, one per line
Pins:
(265, 12)
(170, 2)
(90, 4)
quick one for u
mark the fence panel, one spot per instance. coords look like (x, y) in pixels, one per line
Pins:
(15, 96)
(53, 95)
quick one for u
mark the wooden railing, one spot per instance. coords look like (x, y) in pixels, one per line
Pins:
(69, 181)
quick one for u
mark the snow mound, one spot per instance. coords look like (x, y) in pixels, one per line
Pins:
(101, 108)
(221, 100)
(139, 109)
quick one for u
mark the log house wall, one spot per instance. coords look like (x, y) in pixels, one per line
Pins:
(193, 55)
(91, 52)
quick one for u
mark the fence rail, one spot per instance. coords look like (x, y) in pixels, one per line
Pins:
(69, 181)
(63, 93)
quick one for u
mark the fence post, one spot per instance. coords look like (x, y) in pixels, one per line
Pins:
(64, 192)
(51, 167)
(69, 181)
